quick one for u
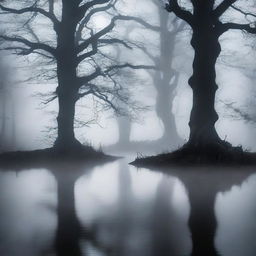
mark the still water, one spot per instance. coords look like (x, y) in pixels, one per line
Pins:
(117, 209)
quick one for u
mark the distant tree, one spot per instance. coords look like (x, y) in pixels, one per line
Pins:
(207, 26)
(69, 40)
(165, 79)
(7, 110)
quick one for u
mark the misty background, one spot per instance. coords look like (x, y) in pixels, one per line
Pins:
(27, 121)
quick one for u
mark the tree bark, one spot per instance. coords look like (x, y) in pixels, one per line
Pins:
(203, 115)
(67, 90)
(65, 120)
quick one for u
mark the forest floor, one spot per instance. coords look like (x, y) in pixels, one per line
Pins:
(189, 156)
(49, 156)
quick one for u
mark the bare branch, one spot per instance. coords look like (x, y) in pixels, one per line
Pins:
(32, 9)
(105, 42)
(243, 12)
(86, 19)
(239, 112)
(223, 7)
(105, 98)
(82, 94)
(85, 79)
(54, 97)
(108, 28)
(83, 56)
(185, 15)
(32, 32)
(235, 26)
(128, 65)
(84, 8)
(33, 46)
(115, 41)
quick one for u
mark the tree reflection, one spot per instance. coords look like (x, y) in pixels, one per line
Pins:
(202, 187)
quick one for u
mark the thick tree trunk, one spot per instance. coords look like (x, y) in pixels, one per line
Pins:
(67, 77)
(203, 115)
(67, 96)
(66, 138)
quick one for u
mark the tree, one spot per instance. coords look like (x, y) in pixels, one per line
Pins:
(73, 45)
(7, 108)
(165, 78)
(207, 27)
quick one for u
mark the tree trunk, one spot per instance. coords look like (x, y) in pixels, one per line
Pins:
(67, 96)
(67, 90)
(203, 115)
(3, 124)
(14, 128)
(164, 103)
(66, 138)
(164, 85)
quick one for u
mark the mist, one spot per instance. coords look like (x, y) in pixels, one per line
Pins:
(127, 127)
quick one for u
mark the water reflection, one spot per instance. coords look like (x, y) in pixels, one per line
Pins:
(115, 209)
(142, 220)
(70, 232)
(203, 185)
(27, 227)
(168, 227)
(236, 212)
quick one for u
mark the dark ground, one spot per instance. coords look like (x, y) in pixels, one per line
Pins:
(209, 155)
(50, 156)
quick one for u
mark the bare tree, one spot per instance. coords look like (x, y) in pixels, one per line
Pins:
(166, 78)
(207, 26)
(75, 48)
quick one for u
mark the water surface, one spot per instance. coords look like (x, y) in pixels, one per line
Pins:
(117, 209)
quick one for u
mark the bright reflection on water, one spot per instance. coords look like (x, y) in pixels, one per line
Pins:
(126, 206)
(27, 212)
(117, 209)
(236, 213)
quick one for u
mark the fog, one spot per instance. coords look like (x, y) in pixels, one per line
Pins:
(36, 121)
(121, 80)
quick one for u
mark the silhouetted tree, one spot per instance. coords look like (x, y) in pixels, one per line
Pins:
(73, 47)
(207, 26)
